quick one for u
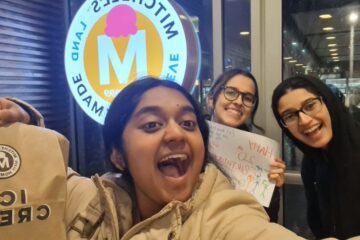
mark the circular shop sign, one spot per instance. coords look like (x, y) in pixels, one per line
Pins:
(112, 43)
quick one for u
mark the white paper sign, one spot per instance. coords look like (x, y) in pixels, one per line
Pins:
(246, 158)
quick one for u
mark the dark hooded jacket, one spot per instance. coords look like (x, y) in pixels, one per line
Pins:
(331, 177)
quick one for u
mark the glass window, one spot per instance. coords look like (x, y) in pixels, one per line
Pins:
(320, 39)
(200, 12)
(237, 42)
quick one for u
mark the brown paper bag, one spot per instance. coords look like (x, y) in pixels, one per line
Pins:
(33, 164)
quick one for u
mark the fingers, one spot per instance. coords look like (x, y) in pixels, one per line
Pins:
(3, 103)
(10, 112)
(278, 163)
(4, 115)
(276, 172)
(277, 178)
(9, 116)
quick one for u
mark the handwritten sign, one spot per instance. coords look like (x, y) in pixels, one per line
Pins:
(246, 158)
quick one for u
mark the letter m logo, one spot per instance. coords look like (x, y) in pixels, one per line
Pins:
(136, 50)
(4, 161)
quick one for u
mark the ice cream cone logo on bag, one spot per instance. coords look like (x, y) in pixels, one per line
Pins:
(110, 44)
(9, 161)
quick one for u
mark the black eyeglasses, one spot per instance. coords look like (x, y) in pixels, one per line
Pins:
(310, 107)
(231, 94)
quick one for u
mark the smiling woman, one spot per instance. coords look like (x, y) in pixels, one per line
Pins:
(156, 136)
(311, 123)
(233, 101)
(318, 123)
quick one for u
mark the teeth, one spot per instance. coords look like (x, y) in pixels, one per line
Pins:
(174, 166)
(234, 110)
(175, 156)
(310, 130)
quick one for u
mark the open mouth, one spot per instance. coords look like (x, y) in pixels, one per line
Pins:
(313, 130)
(174, 165)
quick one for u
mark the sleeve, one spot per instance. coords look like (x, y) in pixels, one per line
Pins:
(273, 209)
(257, 228)
(234, 214)
(35, 116)
(80, 192)
(308, 171)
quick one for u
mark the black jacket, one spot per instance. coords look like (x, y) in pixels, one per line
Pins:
(318, 183)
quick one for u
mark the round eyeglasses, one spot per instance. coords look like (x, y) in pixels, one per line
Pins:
(311, 107)
(231, 94)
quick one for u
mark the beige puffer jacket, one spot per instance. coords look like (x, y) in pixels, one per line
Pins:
(103, 209)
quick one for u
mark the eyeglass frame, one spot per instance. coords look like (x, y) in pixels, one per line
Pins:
(239, 93)
(297, 112)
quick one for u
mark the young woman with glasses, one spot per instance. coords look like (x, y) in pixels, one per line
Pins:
(233, 101)
(315, 119)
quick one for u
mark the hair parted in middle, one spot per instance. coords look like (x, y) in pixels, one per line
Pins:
(222, 80)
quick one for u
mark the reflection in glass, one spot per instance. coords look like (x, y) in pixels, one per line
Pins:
(237, 32)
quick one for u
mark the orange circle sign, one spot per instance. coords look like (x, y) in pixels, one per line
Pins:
(110, 45)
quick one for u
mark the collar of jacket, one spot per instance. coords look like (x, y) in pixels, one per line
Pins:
(168, 221)
(175, 213)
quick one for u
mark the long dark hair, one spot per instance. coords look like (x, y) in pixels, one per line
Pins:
(342, 154)
(123, 106)
(221, 81)
(338, 112)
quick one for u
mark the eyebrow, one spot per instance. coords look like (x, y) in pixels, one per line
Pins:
(157, 110)
(239, 90)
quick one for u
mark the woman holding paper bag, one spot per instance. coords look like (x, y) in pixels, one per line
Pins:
(155, 135)
(315, 119)
(233, 101)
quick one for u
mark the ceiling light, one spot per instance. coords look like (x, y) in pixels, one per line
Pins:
(328, 28)
(336, 60)
(335, 57)
(332, 45)
(287, 58)
(299, 64)
(334, 54)
(330, 37)
(294, 43)
(353, 17)
(333, 50)
(292, 61)
(245, 33)
(325, 16)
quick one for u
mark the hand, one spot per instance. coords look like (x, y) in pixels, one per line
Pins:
(276, 172)
(10, 112)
